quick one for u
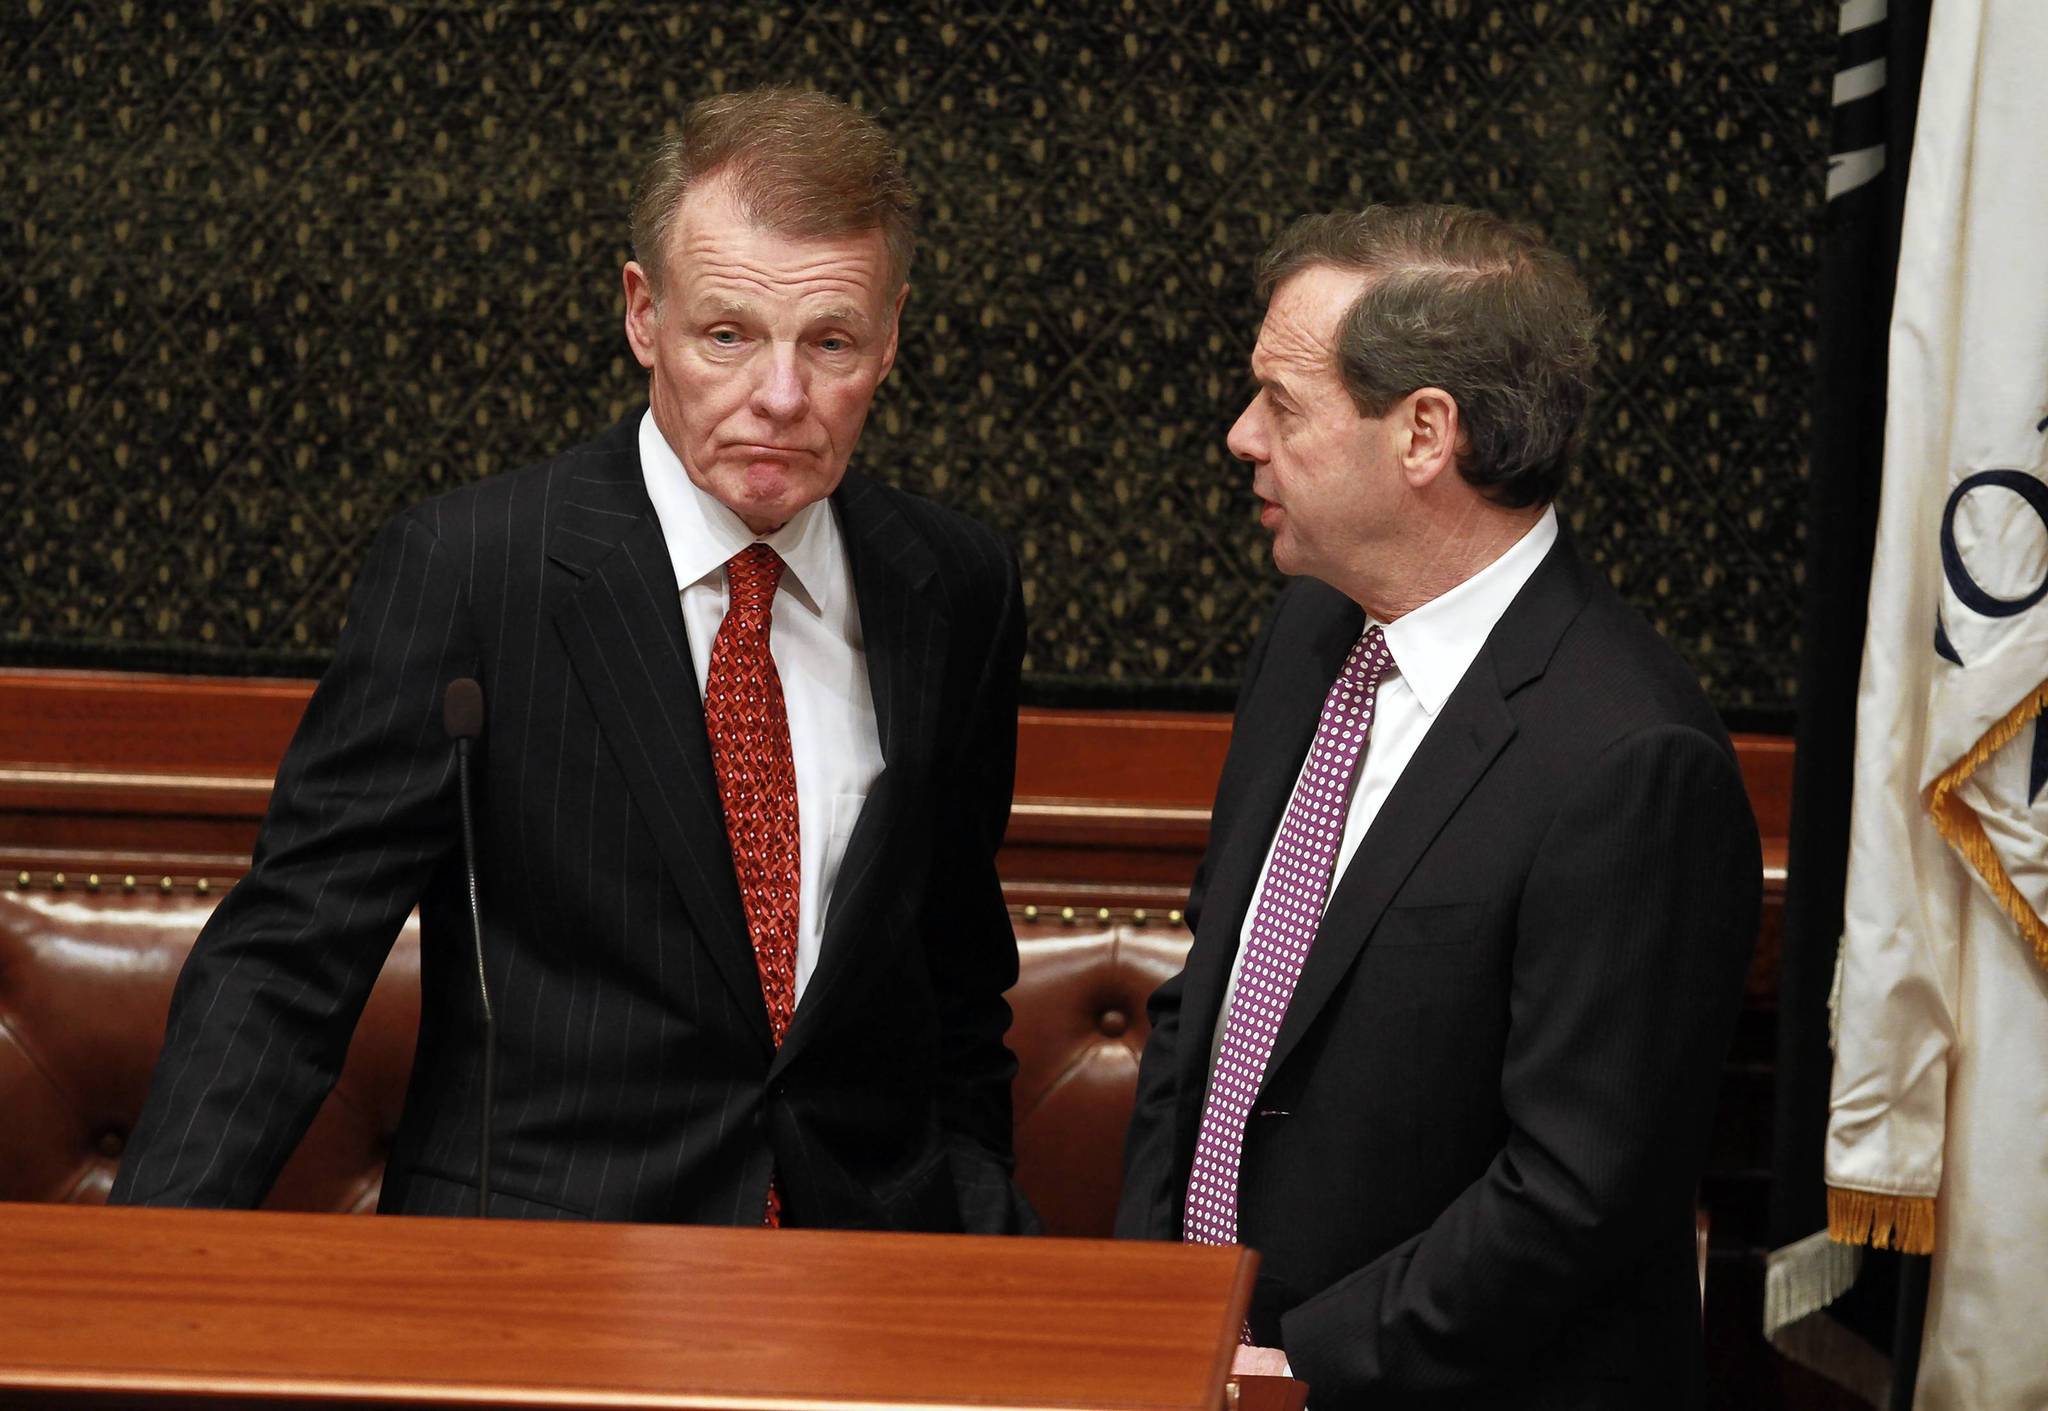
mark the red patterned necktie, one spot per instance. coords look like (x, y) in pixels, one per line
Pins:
(749, 729)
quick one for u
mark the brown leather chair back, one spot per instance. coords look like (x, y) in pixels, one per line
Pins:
(1079, 1028)
(85, 983)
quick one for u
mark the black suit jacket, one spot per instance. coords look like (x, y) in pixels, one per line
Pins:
(637, 1079)
(1470, 1172)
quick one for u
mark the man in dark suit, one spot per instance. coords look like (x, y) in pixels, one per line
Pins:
(750, 727)
(1482, 877)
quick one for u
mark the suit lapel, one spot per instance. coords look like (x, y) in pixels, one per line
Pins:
(1274, 730)
(622, 629)
(1463, 740)
(904, 634)
(1475, 724)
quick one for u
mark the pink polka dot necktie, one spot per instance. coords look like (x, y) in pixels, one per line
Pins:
(748, 724)
(1284, 922)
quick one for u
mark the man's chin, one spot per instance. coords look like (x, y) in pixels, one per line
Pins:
(767, 495)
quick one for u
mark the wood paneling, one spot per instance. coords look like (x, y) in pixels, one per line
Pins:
(122, 722)
(123, 774)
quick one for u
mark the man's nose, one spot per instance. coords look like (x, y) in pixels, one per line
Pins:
(1247, 439)
(780, 394)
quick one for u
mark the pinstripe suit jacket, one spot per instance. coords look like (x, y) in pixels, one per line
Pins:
(1470, 1170)
(637, 1079)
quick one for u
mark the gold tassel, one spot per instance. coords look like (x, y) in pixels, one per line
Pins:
(1958, 824)
(1901, 1222)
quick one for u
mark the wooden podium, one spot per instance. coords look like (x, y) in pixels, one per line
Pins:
(187, 1308)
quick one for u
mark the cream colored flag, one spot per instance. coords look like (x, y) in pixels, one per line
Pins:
(1938, 1128)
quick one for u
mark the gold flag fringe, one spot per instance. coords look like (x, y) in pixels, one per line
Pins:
(1901, 1222)
(1958, 823)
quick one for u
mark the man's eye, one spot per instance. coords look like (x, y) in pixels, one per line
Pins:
(835, 344)
(724, 337)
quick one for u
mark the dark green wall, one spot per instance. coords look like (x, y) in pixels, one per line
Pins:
(277, 270)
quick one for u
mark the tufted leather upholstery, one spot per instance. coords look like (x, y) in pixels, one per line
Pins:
(85, 983)
(1080, 1025)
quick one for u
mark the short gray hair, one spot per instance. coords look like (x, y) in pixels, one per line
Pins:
(1479, 306)
(801, 163)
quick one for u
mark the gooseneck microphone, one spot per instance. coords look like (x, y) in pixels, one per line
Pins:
(462, 715)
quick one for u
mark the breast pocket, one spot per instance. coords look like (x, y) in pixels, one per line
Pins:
(1430, 924)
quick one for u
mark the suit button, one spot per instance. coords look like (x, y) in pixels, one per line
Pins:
(1112, 1023)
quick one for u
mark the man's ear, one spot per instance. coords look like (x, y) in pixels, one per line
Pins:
(642, 315)
(895, 325)
(1428, 434)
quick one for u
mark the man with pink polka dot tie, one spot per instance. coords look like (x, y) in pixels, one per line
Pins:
(1482, 878)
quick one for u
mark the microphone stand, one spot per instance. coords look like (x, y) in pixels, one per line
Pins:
(483, 985)
(462, 713)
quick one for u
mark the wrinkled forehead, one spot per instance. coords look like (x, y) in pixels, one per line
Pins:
(720, 253)
(1299, 332)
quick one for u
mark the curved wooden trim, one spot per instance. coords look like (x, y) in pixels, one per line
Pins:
(169, 775)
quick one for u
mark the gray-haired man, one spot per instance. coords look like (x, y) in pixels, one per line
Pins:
(744, 973)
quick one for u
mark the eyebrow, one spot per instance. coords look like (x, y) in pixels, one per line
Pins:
(1272, 383)
(838, 313)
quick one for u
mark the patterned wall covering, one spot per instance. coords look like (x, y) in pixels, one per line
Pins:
(276, 270)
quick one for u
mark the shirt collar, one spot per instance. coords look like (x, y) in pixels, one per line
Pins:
(1435, 645)
(702, 534)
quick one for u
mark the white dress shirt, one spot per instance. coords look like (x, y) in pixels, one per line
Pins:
(815, 638)
(1433, 647)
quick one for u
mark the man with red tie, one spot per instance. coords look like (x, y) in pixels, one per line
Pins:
(1482, 878)
(746, 757)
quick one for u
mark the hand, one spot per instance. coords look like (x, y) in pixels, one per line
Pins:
(1260, 1362)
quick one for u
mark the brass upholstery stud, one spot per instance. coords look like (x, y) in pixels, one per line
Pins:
(22, 879)
(1139, 916)
(1102, 913)
(1174, 916)
(1067, 915)
(1030, 912)
(202, 886)
(56, 881)
(164, 885)
(92, 882)
(128, 883)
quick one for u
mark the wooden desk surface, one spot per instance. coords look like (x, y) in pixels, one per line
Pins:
(134, 1305)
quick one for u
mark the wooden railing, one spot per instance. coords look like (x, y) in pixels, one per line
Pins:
(168, 776)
